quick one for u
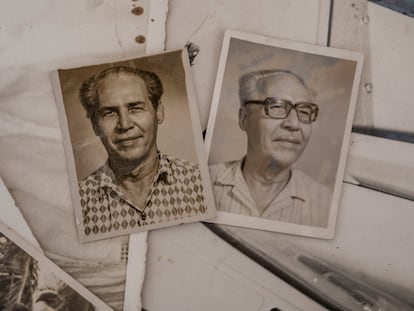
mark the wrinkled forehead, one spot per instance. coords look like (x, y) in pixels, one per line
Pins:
(284, 86)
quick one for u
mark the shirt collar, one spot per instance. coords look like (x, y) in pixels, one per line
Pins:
(106, 176)
(232, 176)
(292, 190)
(165, 172)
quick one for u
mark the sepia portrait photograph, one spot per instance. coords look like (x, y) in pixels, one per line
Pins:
(134, 146)
(30, 281)
(278, 133)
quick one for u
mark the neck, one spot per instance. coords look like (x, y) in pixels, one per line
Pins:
(136, 181)
(265, 180)
(265, 172)
(135, 169)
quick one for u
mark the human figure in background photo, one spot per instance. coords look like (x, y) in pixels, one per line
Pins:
(276, 112)
(138, 185)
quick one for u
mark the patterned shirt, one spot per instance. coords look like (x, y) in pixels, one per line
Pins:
(176, 193)
(303, 200)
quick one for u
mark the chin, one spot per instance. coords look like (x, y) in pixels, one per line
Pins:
(128, 157)
(134, 158)
(285, 159)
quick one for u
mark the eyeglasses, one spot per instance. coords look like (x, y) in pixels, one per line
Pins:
(278, 108)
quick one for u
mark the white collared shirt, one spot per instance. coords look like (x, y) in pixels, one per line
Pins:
(303, 201)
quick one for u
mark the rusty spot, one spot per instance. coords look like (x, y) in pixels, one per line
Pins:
(140, 39)
(138, 10)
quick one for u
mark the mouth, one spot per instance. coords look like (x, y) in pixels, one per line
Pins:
(288, 139)
(127, 141)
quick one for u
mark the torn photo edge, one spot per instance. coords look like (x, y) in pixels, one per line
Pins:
(210, 211)
(274, 225)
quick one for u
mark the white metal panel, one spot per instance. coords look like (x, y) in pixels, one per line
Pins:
(391, 41)
(190, 268)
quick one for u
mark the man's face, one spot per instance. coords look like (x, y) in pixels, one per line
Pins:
(281, 141)
(126, 120)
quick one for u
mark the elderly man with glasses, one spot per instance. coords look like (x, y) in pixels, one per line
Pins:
(277, 113)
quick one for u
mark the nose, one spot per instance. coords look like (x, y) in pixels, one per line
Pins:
(291, 122)
(124, 121)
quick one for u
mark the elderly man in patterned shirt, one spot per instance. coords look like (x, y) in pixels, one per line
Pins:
(138, 185)
(276, 113)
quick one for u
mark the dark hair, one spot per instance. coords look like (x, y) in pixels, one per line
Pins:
(249, 82)
(17, 307)
(88, 92)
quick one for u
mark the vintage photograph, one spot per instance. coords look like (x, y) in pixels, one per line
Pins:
(278, 133)
(134, 146)
(30, 281)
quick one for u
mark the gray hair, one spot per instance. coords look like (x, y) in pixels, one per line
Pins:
(249, 82)
(88, 92)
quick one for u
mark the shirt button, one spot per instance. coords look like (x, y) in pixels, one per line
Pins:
(143, 216)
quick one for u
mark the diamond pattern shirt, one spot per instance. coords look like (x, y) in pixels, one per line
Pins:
(176, 193)
(303, 201)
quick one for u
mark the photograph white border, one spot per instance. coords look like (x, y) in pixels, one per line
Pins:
(272, 225)
(198, 145)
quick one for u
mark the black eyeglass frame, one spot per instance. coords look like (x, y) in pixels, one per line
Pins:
(271, 100)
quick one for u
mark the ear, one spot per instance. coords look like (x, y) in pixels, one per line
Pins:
(160, 113)
(242, 117)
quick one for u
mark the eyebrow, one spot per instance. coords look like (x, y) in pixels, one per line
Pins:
(116, 107)
(139, 103)
(107, 108)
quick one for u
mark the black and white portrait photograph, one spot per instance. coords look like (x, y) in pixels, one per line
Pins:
(278, 133)
(136, 146)
(30, 281)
